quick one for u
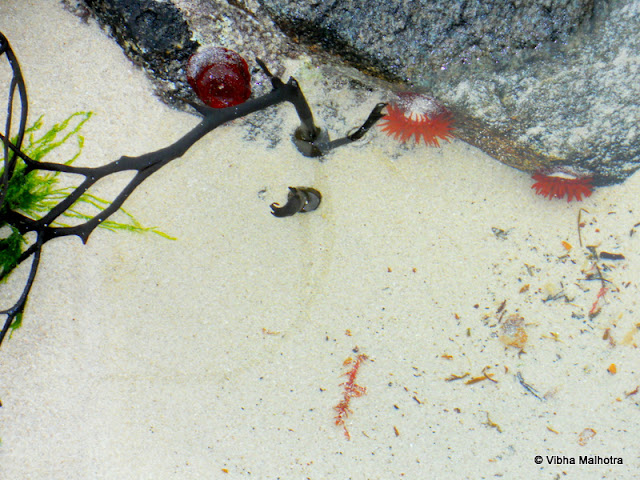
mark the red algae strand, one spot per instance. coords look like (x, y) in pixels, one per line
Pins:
(350, 390)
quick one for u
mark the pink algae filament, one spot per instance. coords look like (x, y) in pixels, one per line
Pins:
(350, 390)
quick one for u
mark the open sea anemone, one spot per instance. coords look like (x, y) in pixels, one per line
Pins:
(560, 182)
(417, 116)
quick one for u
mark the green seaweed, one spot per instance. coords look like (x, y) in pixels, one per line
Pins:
(36, 192)
(32, 192)
(10, 249)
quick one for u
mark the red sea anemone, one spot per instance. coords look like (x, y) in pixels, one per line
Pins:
(220, 77)
(561, 183)
(419, 117)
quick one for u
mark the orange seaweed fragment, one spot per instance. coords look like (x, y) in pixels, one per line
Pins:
(486, 376)
(513, 333)
(585, 436)
(266, 331)
(453, 377)
(351, 390)
(594, 308)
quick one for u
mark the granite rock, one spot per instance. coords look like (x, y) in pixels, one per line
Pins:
(571, 104)
(155, 36)
(160, 36)
(391, 37)
(537, 85)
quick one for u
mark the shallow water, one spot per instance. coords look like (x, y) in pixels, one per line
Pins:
(224, 351)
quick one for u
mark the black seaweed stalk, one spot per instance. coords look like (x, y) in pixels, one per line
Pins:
(308, 137)
(16, 82)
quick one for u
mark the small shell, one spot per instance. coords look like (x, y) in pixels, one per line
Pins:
(300, 199)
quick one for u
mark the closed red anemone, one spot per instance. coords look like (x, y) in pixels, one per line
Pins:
(219, 76)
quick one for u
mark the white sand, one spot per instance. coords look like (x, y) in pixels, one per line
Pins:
(223, 351)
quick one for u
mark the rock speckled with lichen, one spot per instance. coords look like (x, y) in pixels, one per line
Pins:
(395, 37)
(562, 104)
(155, 36)
(533, 84)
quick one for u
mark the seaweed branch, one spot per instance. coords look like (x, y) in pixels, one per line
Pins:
(308, 137)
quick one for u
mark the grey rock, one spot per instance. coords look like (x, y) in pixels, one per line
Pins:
(536, 84)
(566, 104)
(393, 36)
(160, 36)
(155, 36)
